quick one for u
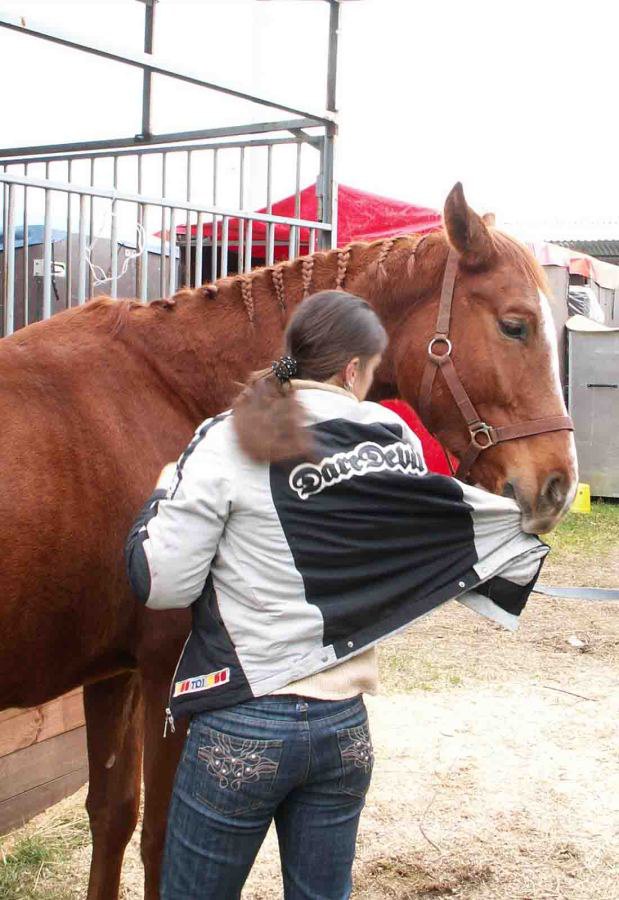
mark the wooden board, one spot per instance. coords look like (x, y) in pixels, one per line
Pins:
(20, 728)
(16, 811)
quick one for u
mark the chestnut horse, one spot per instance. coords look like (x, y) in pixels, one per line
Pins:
(98, 398)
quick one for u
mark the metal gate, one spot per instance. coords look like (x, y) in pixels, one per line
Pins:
(97, 217)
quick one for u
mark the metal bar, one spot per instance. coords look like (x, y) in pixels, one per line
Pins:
(9, 252)
(81, 259)
(164, 158)
(125, 197)
(172, 248)
(248, 244)
(154, 63)
(224, 247)
(68, 255)
(91, 228)
(139, 229)
(199, 239)
(47, 257)
(312, 241)
(270, 248)
(149, 27)
(297, 202)
(143, 260)
(5, 214)
(214, 227)
(241, 224)
(187, 272)
(334, 31)
(114, 239)
(139, 151)
(26, 253)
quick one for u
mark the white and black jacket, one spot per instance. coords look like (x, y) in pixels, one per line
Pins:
(292, 568)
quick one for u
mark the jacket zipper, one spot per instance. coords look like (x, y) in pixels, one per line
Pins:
(169, 718)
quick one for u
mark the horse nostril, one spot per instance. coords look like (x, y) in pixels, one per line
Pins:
(554, 491)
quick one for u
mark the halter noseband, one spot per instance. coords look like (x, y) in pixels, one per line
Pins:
(482, 435)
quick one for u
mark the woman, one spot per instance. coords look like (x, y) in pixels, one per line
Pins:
(302, 527)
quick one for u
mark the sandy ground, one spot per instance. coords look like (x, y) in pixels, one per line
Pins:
(493, 779)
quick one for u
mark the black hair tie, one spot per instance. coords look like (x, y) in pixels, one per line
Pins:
(285, 368)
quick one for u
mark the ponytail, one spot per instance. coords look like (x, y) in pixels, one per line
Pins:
(325, 332)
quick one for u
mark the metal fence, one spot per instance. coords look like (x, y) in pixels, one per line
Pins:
(140, 216)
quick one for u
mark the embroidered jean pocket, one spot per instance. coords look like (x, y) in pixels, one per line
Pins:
(234, 775)
(357, 758)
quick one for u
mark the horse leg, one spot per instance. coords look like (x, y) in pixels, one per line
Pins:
(161, 758)
(114, 736)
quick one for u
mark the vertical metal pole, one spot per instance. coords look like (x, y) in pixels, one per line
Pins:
(139, 230)
(149, 28)
(224, 246)
(114, 238)
(248, 244)
(81, 259)
(241, 224)
(5, 215)
(26, 251)
(69, 256)
(214, 233)
(143, 260)
(91, 229)
(187, 272)
(199, 238)
(270, 230)
(164, 160)
(172, 248)
(9, 252)
(312, 241)
(47, 253)
(327, 201)
(294, 231)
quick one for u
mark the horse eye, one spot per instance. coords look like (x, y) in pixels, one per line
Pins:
(515, 330)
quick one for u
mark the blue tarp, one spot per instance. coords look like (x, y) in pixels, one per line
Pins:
(35, 236)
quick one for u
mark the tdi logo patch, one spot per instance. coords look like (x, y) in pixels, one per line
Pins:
(202, 682)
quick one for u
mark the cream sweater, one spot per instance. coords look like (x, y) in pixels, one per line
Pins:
(358, 675)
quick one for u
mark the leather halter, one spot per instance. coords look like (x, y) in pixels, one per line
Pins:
(482, 435)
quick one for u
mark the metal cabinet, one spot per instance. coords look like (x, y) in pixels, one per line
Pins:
(594, 402)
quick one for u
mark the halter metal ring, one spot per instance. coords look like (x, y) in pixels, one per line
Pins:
(482, 436)
(439, 340)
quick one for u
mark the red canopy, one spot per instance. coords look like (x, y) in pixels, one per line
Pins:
(361, 217)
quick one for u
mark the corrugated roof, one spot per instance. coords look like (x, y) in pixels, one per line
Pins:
(593, 247)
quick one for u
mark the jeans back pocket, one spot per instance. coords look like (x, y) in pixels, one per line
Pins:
(357, 759)
(233, 774)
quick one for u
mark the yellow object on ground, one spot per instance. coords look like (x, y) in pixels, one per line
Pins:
(582, 500)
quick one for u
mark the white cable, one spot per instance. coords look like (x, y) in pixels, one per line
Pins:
(99, 276)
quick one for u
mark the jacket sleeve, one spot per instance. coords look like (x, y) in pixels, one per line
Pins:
(172, 543)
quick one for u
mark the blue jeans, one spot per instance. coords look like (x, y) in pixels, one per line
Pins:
(305, 763)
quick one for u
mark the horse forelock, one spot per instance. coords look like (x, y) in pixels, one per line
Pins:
(520, 257)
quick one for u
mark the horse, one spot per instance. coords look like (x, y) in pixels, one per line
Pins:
(95, 400)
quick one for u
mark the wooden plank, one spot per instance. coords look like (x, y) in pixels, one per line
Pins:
(42, 762)
(14, 711)
(15, 811)
(31, 726)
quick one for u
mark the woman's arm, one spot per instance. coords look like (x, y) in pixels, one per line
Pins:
(175, 536)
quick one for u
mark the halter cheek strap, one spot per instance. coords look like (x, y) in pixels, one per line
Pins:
(482, 435)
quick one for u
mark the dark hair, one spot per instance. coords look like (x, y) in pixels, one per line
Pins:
(325, 332)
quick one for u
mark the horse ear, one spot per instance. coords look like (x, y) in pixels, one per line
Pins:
(489, 219)
(467, 231)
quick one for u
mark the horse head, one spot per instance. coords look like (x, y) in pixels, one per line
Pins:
(503, 347)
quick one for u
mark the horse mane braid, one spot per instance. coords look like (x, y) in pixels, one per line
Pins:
(343, 257)
(246, 294)
(280, 289)
(307, 268)
(382, 256)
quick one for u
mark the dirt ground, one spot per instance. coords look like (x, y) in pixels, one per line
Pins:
(497, 762)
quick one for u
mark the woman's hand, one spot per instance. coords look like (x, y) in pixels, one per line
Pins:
(166, 475)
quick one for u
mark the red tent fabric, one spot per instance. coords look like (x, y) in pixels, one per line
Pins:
(361, 217)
